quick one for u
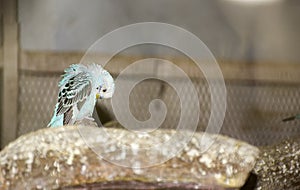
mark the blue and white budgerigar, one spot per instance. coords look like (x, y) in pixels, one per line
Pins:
(292, 118)
(79, 89)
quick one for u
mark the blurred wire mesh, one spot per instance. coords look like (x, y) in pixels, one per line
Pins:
(254, 109)
(234, 31)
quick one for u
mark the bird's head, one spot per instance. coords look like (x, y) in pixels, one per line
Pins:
(102, 81)
(106, 86)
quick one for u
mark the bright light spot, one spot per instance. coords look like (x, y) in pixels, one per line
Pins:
(254, 1)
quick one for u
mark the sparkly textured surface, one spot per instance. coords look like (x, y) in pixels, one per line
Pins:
(279, 166)
(52, 158)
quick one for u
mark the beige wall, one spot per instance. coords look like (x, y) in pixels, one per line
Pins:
(265, 33)
(257, 48)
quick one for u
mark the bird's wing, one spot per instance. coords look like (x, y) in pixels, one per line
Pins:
(72, 91)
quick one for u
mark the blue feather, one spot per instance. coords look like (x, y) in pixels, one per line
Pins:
(80, 84)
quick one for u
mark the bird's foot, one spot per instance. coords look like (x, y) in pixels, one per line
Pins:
(88, 121)
(89, 118)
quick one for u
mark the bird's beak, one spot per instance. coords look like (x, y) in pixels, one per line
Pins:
(98, 96)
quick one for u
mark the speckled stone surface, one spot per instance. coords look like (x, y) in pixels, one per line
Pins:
(278, 166)
(53, 158)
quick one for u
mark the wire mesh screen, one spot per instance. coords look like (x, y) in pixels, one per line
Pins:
(151, 89)
(38, 93)
(254, 110)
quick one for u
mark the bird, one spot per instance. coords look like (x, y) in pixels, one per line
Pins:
(292, 118)
(79, 88)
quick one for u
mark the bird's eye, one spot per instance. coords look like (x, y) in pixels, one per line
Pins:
(104, 90)
(97, 88)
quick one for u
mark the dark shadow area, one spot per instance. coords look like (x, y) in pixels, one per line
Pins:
(130, 185)
(103, 114)
(250, 183)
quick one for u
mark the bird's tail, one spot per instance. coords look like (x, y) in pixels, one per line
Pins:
(56, 121)
(291, 118)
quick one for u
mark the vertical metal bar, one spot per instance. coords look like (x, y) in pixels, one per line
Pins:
(1, 65)
(10, 72)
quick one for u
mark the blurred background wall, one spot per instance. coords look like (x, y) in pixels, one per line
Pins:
(256, 44)
(232, 29)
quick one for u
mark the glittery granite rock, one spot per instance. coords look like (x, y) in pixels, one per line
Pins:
(278, 167)
(56, 158)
